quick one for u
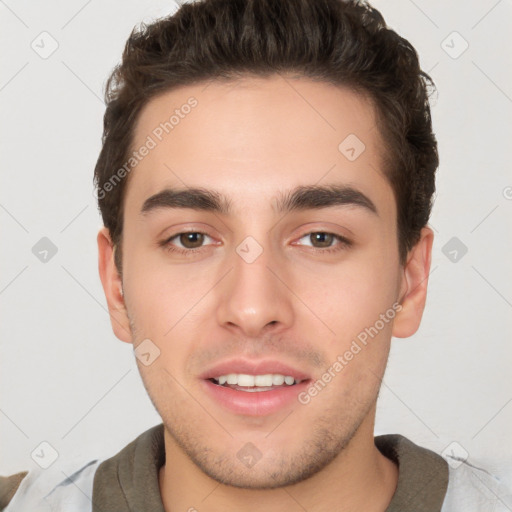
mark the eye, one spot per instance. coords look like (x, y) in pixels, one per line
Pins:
(189, 242)
(323, 241)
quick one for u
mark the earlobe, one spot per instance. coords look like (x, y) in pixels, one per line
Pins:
(112, 287)
(413, 293)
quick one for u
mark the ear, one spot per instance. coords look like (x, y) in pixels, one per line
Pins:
(413, 290)
(112, 286)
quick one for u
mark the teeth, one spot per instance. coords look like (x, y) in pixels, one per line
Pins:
(267, 380)
(289, 380)
(277, 380)
(263, 380)
(245, 380)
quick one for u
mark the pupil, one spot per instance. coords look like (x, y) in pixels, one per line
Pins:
(187, 238)
(321, 237)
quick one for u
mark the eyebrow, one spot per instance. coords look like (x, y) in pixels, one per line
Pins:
(304, 197)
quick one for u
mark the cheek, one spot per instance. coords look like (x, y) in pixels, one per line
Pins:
(353, 295)
(163, 295)
(357, 305)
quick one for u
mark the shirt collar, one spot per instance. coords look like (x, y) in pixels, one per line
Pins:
(128, 481)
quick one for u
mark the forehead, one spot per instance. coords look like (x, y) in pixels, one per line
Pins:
(250, 138)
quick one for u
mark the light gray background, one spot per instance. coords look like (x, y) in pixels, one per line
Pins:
(67, 380)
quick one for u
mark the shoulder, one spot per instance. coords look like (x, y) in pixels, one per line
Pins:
(62, 486)
(74, 484)
(431, 481)
(471, 488)
(8, 487)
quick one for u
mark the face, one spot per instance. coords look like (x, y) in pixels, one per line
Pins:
(268, 275)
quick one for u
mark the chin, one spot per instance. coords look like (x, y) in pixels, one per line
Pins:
(277, 465)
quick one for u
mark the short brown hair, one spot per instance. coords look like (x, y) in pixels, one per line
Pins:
(345, 43)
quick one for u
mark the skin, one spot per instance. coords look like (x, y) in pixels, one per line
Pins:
(251, 139)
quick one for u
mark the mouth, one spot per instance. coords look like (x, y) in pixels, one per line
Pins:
(255, 383)
(254, 388)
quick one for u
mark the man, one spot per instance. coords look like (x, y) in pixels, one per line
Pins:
(265, 182)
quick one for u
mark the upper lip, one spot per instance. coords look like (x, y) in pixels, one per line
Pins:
(248, 367)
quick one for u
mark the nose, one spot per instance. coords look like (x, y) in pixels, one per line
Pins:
(255, 296)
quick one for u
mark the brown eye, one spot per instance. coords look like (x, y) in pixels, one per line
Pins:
(323, 239)
(186, 243)
(325, 242)
(191, 240)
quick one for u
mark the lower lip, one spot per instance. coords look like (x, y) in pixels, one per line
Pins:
(254, 403)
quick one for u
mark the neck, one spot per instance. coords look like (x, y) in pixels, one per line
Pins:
(359, 478)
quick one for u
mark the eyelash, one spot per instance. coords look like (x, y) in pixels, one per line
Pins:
(344, 243)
